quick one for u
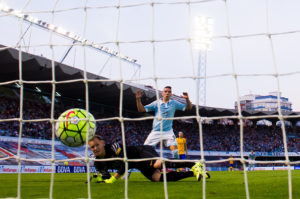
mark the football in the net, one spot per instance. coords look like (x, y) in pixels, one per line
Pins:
(73, 126)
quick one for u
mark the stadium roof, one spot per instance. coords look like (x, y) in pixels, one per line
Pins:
(37, 68)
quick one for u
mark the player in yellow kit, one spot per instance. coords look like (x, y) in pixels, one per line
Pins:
(230, 163)
(183, 152)
(182, 147)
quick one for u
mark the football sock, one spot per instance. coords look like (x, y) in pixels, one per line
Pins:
(175, 154)
(175, 176)
(179, 164)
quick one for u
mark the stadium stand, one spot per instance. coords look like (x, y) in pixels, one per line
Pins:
(217, 137)
(104, 103)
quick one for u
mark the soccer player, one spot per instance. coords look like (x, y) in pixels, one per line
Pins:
(151, 169)
(230, 163)
(168, 108)
(182, 147)
(252, 157)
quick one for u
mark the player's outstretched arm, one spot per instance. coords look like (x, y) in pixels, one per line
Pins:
(117, 175)
(100, 177)
(188, 102)
(113, 178)
(139, 104)
(96, 178)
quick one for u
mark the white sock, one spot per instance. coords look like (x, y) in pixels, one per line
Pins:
(175, 154)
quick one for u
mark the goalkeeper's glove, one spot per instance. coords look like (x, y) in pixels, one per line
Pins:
(111, 180)
(96, 178)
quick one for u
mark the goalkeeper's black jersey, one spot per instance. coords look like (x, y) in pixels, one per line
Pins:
(133, 152)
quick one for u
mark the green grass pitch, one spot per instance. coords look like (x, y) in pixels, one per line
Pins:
(225, 185)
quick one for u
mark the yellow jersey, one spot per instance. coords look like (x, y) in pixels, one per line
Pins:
(181, 142)
(231, 160)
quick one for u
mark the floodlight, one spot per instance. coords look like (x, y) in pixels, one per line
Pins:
(61, 31)
(51, 26)
(203, 31)
(38, 89)
(57, 94)
(17, 13)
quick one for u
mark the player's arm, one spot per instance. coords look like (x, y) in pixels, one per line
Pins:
(96, 178)
(139, 105)
(188, 102)
(113, 178)
(100, 177)
(117, 175)
(102, 174)
(120, 165)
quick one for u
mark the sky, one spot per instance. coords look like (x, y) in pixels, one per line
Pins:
(171, 57)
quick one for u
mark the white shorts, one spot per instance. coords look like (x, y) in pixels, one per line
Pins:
(168, 137)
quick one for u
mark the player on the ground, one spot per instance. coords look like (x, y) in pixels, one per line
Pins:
(151, 169)
(168, 108)
(182, 147)
(252, 157)
(230, 163)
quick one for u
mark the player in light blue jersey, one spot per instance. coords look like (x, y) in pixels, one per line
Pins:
(168, 108)
(252, 157)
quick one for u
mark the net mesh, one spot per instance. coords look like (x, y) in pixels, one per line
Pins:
(118, 8)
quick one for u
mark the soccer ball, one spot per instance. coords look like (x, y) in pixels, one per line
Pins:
(71, 128)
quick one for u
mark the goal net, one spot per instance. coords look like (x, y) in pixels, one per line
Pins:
(106, 51)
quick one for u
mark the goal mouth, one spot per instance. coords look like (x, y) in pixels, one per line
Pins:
(97, 55)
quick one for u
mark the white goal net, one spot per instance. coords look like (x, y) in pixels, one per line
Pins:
(130, 45)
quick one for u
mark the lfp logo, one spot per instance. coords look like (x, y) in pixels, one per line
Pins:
(73, 119)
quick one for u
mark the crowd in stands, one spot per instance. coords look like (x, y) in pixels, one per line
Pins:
(216, 137)
(227, 137)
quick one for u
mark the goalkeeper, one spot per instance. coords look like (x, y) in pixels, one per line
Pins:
(151, 169)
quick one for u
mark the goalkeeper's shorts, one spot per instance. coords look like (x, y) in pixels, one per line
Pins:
(146, 167)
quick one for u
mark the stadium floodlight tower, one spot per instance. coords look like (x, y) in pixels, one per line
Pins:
(203, 30)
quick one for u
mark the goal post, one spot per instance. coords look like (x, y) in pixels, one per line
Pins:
(126, 46)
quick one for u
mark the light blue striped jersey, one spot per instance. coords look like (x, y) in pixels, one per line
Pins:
(251, 156)
(167, 111)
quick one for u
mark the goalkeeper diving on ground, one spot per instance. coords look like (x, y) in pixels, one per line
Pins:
(151, 169)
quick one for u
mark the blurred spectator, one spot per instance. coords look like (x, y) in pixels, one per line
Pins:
(215, 137)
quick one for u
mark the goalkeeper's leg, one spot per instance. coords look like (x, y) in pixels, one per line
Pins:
(196, 170)
(179, 164)
(175, 176)
(155, 175)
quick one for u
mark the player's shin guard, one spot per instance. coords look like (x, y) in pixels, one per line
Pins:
(179, 164)
(175, 176)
